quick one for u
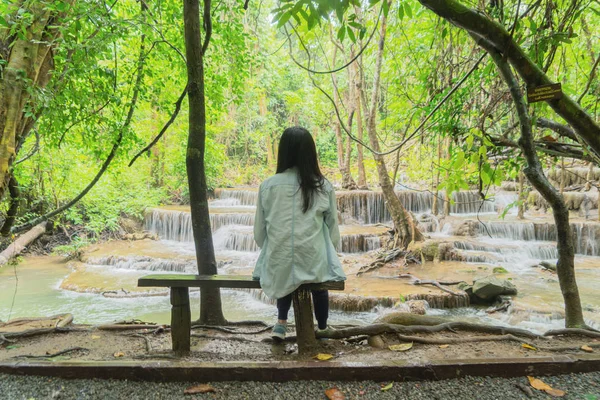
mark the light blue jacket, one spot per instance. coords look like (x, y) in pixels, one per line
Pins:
(296, 247)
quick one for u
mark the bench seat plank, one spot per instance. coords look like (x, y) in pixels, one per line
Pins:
(220, 281)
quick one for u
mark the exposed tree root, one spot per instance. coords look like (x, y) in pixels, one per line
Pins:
(378, 329)
(41, 331)
(573, 331)
(70, 350)
(128, 327)
(568, 348)
(382, 260)
(470, 339)
(226, 338)
(417, 281)
(232, 331)
(525, 389)
(146, 339)
(250, 322)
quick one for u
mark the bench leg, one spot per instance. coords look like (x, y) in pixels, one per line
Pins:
(305, 328)
(181, 320)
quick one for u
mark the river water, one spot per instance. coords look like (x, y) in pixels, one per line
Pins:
(103, 287)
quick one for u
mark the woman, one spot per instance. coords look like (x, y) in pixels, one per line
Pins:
(296, 228)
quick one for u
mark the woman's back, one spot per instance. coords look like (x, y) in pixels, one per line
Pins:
(297, 246)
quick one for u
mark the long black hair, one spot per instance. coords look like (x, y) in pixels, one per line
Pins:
(297, 149)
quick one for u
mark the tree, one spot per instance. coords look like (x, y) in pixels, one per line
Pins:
(210, 299)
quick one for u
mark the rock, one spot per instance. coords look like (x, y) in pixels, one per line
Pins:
(467, 228)
(548, 265)
(418, 307)
(499, 270)
(431, 250)
(490, 287)
(140, 236)
(130, 225)
(377, 342)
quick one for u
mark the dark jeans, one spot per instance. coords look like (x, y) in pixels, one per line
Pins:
(320, 303)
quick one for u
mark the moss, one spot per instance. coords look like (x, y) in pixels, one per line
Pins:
(500, 270)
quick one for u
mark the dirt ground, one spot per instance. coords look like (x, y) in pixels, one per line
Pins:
(147, 344)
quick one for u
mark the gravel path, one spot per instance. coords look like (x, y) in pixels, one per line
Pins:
(577, 386)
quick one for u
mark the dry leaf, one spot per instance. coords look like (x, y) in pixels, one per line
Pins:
(95, 337)
(334, 394)
(119, 354)
(528, 346)
(539, 385)
(587, 348)
(323, 356)
(387, 387)
(199, 389)
(401, 347)
(444, 346)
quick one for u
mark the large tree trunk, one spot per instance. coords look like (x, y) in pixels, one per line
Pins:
(406, 230)
(15, 199)
(210, 299)
(32, 56)
(499, 38)
(535, 174)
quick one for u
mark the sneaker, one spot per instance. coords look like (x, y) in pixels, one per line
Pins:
(278, 332)
(328, 329)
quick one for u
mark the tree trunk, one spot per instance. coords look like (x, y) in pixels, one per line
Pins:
(15, 199)
(210, 299)
(33, 57)
(362, 179)
(436, 183)
(535, 174)
(406, 230)
(499, 38)
(522, 196)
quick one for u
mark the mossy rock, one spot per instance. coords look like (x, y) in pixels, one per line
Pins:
(499, 270)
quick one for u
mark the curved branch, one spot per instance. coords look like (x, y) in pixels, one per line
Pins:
(312, 71)
(164, 129)
(562, 130)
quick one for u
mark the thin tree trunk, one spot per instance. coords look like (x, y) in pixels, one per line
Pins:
(436, 183)
(522, 196)
(406, 230)
(535, 174)
(211, 312)
(362, 179)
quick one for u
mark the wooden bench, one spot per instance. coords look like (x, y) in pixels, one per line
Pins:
(180, 303)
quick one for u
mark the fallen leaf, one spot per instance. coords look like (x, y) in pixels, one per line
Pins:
(119, 354)
(199, 389)
(387, 387)
(95, 337)
(539, 385)
(334, 394)
(587, 348)
(528, 346)
(12, 346)
(401, 347)
(323, 356)
(444, 346)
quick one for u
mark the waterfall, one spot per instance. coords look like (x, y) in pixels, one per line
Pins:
(244, 197)
(236, 238)
(177, 225)
(359, 243)
(169, 224)
(538, 251)
(145, 263)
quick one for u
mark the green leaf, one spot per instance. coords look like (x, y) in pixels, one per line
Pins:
(408, 10)
(351, 35)
(341, 34)
(284, 18)
(3, 21)
(400, 12)
(386, 7)
(444, 32)
(469, 141)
